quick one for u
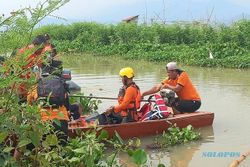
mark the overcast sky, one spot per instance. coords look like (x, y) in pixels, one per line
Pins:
(113, 11)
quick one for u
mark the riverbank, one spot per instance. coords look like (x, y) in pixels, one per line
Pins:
(189, 44)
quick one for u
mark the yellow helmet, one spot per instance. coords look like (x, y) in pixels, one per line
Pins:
(128, 72)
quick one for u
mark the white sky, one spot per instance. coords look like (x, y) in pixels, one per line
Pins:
(112, 11)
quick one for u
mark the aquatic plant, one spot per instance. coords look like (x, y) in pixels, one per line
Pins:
(175, 135)
(87, 103)
(189, 44)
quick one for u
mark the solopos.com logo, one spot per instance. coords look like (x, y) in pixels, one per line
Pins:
(220, 154)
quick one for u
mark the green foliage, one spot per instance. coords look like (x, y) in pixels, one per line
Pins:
(88, 104)
(18, 28)
(139, 157)
(186, 43)
(174, 135)
(88, 151)
(161, 165)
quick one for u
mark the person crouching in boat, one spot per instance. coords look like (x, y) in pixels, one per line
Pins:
(128, 98)
(178, 81)
(57, 109)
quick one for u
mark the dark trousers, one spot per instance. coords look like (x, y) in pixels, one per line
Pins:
(186, 105)
(113, 118)
(74, 111)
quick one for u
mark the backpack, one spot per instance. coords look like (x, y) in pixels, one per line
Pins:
(54, 88)
(158, 110)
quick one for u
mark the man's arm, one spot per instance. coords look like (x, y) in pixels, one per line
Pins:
(176, 88)
(153, 90)
(130, 93)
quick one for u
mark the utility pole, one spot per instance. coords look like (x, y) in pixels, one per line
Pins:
(146, 12)
(164, 12)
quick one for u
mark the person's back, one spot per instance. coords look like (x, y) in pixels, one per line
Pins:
(50, 88)
(51, 110)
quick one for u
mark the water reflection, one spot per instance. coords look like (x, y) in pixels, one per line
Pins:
(181, 155)
(173, 156)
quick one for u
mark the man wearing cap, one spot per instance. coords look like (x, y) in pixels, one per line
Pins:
(178, 81)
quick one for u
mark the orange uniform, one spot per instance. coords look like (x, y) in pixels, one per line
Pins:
(59, 113)
(188, 92)
(32, 59)
(129, 101)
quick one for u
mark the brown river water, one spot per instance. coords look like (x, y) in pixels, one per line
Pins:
(226, 92)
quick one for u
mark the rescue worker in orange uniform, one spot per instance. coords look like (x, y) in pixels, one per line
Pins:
(43, 47)
(51, 113)
(128, 98)
(34, 59)
(178, 81)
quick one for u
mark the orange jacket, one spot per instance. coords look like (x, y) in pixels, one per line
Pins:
(129, 100)
(59, 113)
(33, 59)
(188, 92)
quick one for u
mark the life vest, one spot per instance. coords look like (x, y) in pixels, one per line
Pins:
(134, 105)
(158, 110)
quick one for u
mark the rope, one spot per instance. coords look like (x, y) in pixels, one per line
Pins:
(236, 162)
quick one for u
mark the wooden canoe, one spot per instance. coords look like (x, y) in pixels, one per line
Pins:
(152, 127)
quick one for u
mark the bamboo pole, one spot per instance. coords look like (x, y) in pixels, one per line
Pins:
(101, 97)
(236, 162)
(95, 97)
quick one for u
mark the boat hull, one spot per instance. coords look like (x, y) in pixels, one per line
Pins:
(153, 127)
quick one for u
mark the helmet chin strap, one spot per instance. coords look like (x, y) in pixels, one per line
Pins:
(125, 81)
